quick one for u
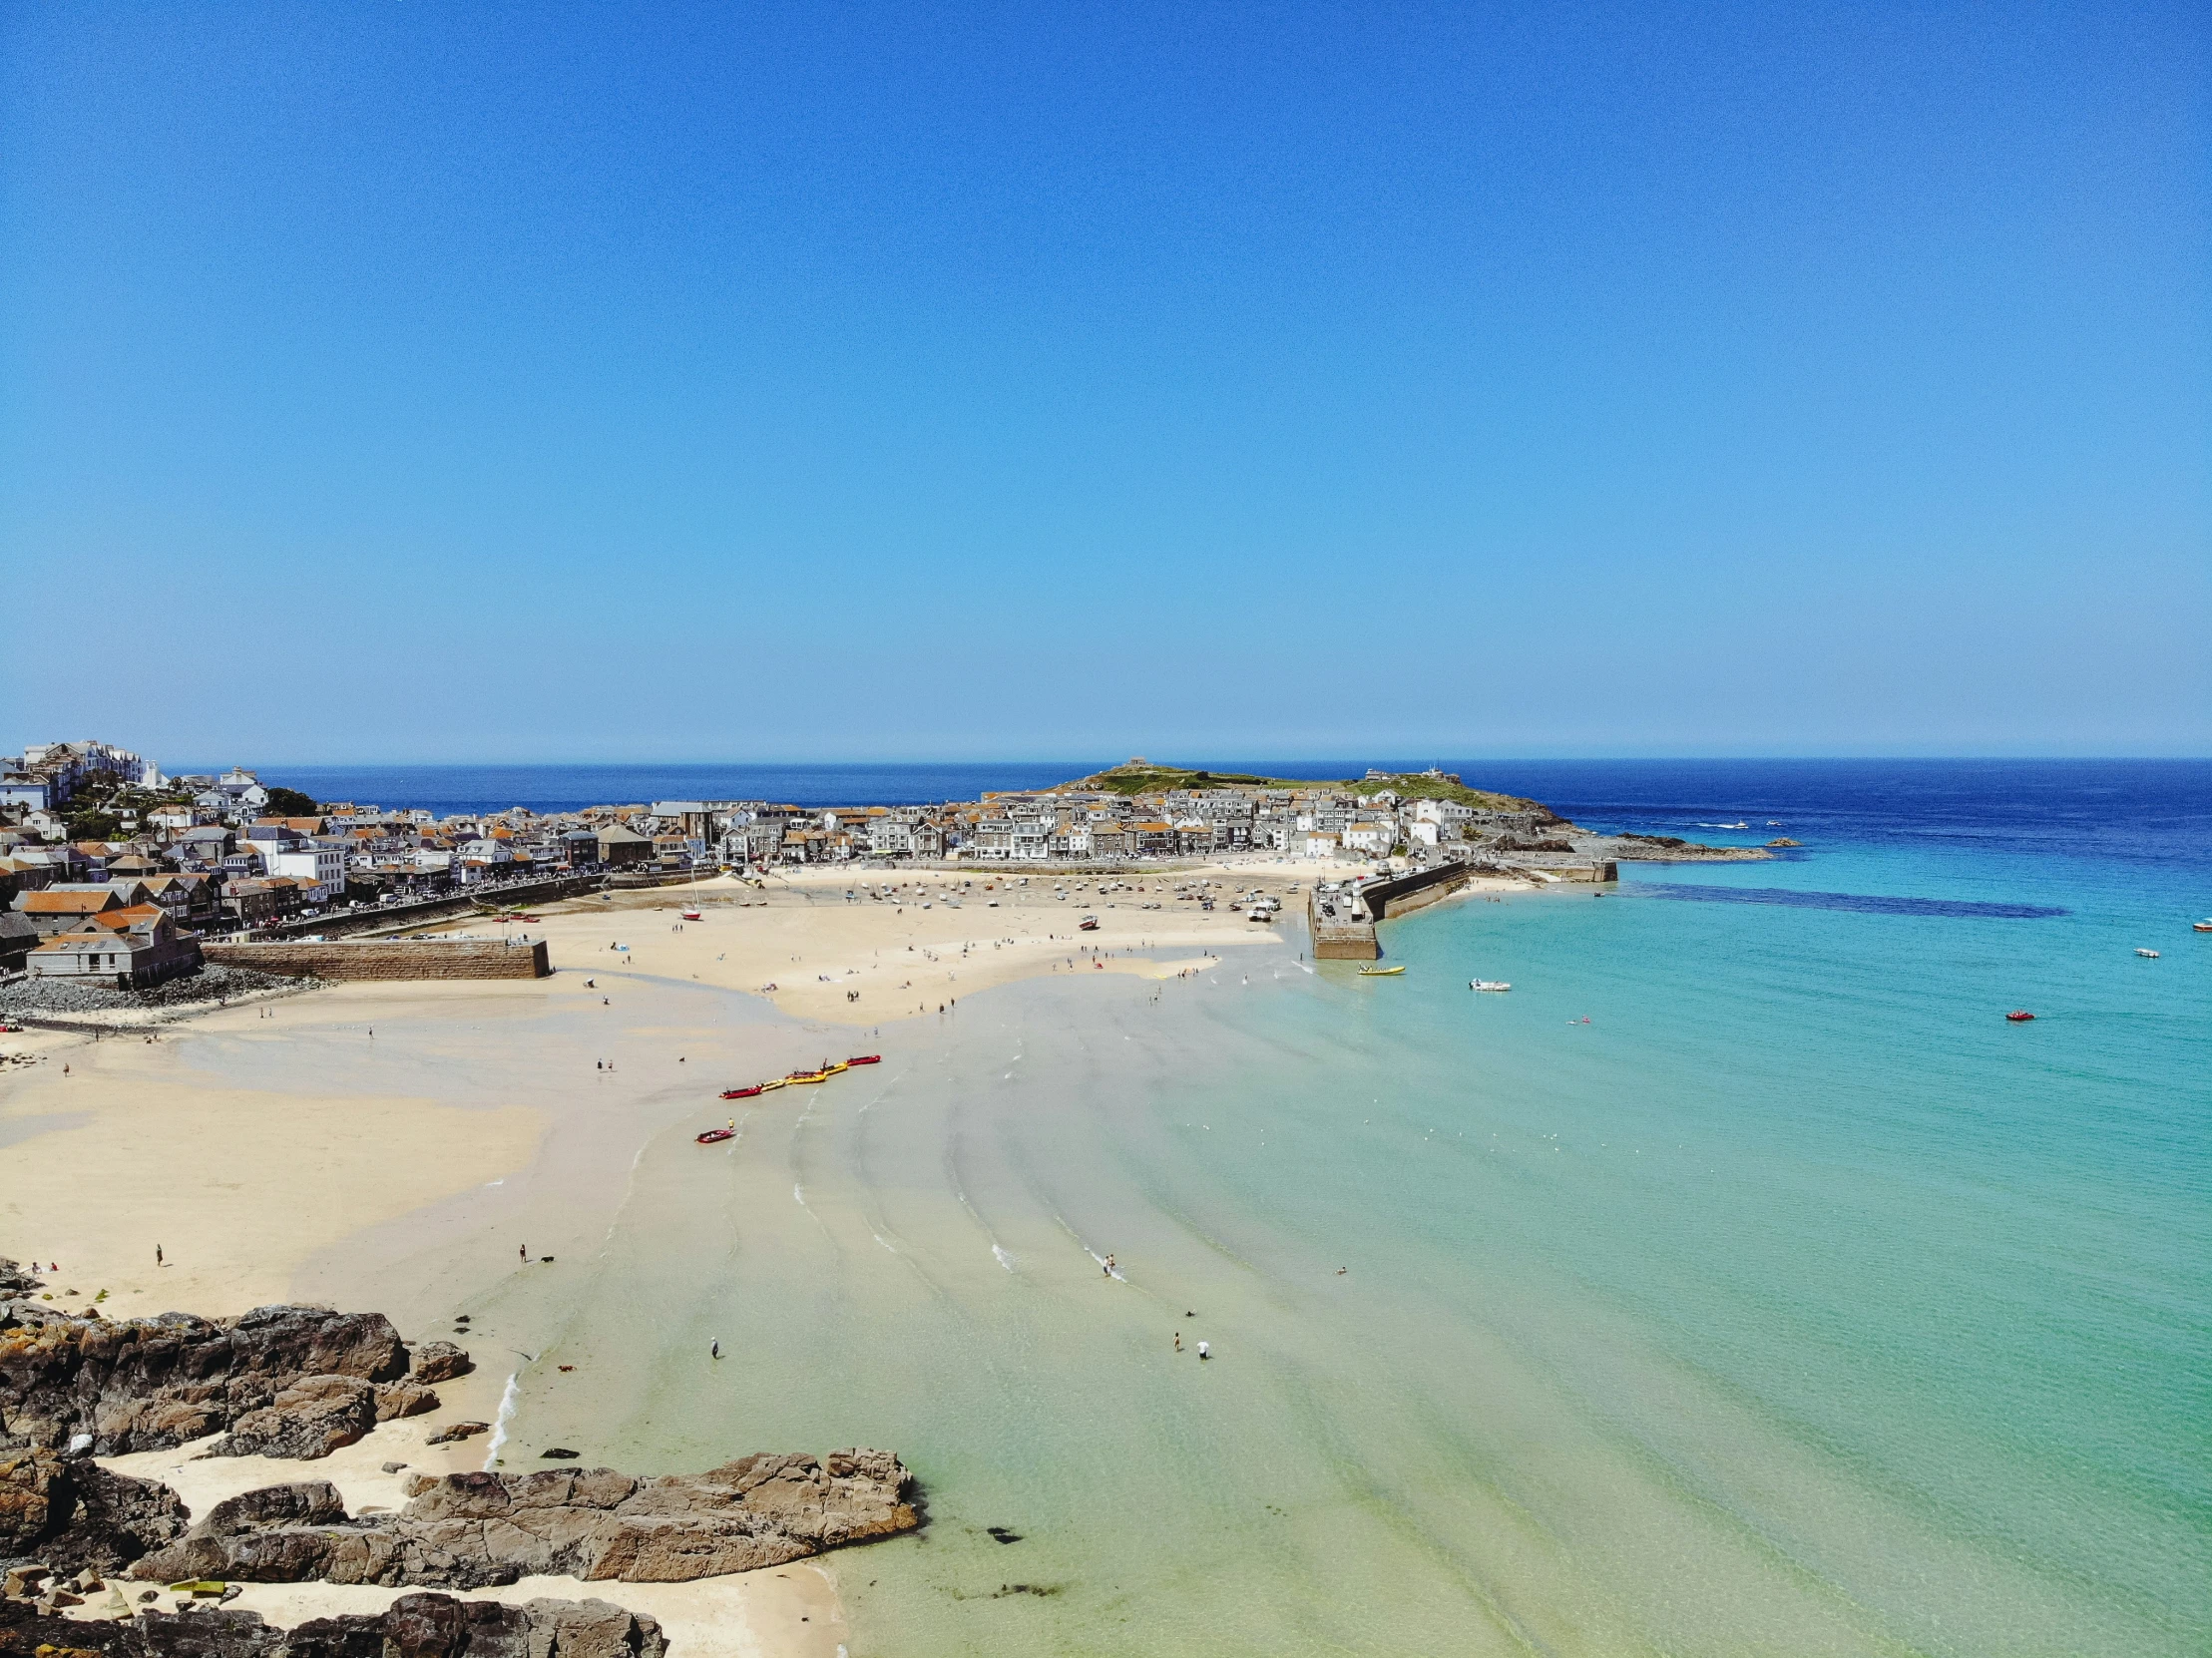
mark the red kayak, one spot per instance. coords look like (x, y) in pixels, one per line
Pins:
(2020, 1016)
(865, 1060)
(714, 1134)
(739, 1093)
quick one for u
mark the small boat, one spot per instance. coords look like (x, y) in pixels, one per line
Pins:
(2020, 1016)
(2151, 955)
(714, 1134)
(1488, 984)
(865, 1060)
(689, 915)
(1089, 924)
(832, 1070)
(771, 1085)
(744, 1093)
(2204, 925)
(1381, 973)
(808, 1077)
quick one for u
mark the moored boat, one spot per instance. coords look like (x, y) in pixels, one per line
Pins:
(865, 1060)
(1381, 973)
(2020, 1016)
(741, 1093)
(714, 1134)
(689, 915)
(2152, 953)
(1089, 924)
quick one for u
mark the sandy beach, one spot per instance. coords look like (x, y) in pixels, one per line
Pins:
(353, 1145)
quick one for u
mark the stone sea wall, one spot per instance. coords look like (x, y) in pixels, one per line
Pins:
(350, 959)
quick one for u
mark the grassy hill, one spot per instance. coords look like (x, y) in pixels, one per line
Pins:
(1145, 777)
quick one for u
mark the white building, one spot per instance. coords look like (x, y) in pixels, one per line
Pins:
(323, 862)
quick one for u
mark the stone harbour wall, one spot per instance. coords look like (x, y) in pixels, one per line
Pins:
(352, 959)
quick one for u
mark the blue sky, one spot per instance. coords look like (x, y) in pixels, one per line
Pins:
(455, 382)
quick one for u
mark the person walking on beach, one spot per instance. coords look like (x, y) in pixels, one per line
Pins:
(157, 1255)
(714, 1348)
(522, 1254)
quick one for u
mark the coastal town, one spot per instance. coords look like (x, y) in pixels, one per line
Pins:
(113, 870)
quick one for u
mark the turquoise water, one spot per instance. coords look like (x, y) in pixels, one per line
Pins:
(1795, 1303)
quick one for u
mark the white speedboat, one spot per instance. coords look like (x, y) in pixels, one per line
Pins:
(2152, 953)
(1488, 984)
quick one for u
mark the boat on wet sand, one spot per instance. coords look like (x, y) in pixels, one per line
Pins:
(714, 1134)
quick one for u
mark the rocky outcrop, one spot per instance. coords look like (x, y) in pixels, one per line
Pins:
(287, 1381)
(17, 1279)
(70, 1513)
(439, 1362)
(413, 1626)
(403, 1399)
(310, 1419)
(468, 1530)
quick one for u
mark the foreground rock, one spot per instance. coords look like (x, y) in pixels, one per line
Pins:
(69, 1514)
(287, 1381)
(470, 1531)
(414, 1626)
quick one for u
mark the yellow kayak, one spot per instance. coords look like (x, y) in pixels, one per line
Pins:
(1381, 973)
(773, 1082)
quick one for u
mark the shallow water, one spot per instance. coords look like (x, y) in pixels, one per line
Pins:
(1794, 1302)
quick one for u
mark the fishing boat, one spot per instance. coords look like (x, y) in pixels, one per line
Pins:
(1488, 984)
(771, 1083)
(832, 1070)
(714, 1134)
(691, 915)
(2020, 1016)
(865, 1060)
(743, 1093)
(2204, 925)
(1381, 973)
(2151, 955)
(1089, 924)
(808, 1077)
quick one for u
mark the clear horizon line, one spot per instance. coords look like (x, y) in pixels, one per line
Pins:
(2083, 756)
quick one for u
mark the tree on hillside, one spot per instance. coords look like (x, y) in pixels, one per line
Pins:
(291, 803)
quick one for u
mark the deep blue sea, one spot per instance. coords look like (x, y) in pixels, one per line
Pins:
(1741, 1281)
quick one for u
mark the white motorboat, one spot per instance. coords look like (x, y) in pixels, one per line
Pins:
(2152, 953)
(1488, 984)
